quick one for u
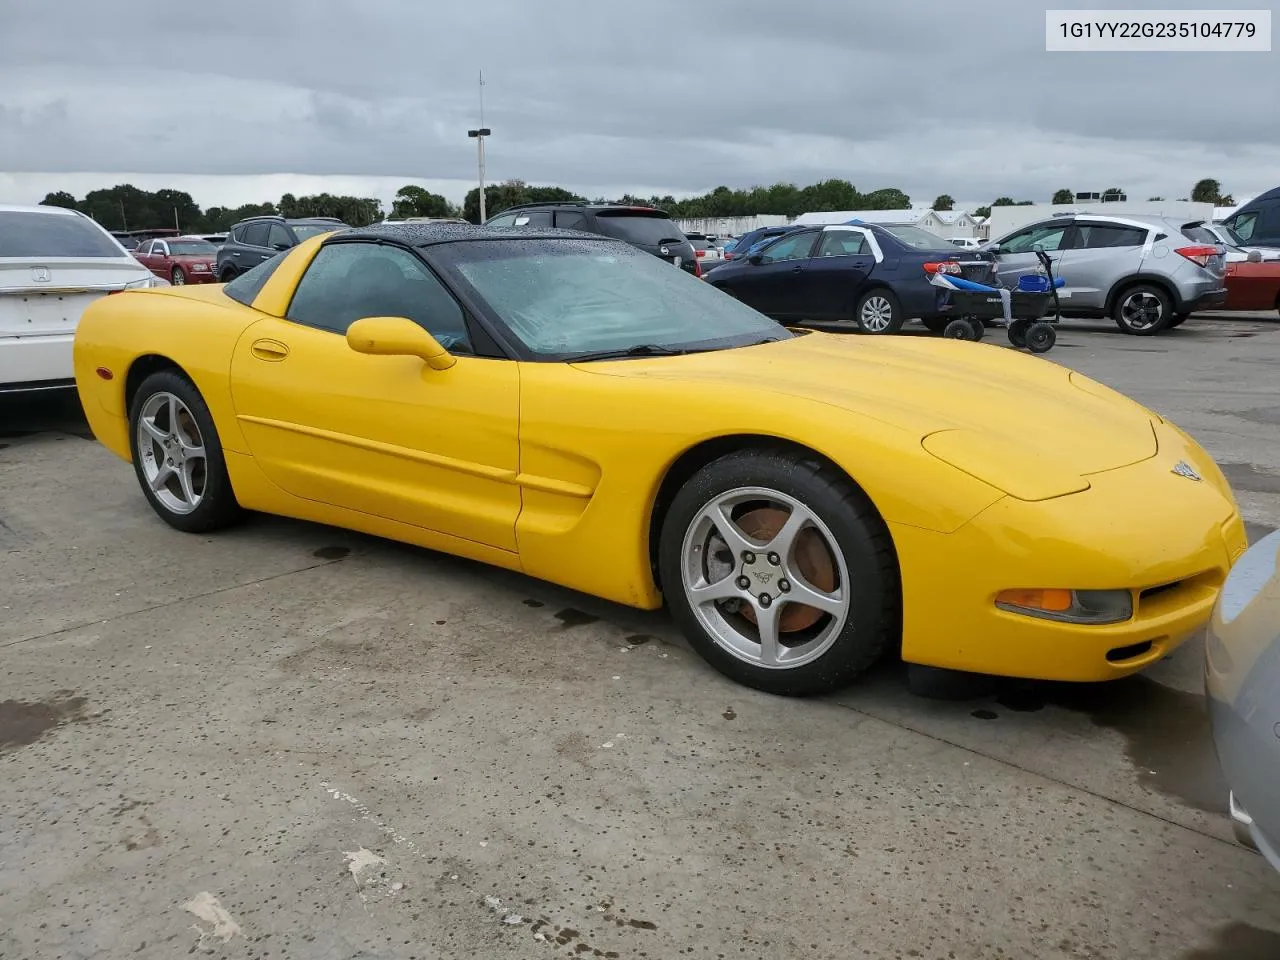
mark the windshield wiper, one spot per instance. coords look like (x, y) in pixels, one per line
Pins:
(639, 350)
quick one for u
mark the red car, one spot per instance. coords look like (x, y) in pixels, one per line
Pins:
(1253, 285)
(181, 260)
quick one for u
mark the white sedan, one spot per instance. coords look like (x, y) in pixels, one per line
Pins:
(53, 264)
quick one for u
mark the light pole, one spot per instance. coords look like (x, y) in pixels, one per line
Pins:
(479, 136)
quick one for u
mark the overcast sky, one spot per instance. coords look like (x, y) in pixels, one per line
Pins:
(243, 103)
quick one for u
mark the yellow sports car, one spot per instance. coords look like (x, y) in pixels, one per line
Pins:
(575, 409)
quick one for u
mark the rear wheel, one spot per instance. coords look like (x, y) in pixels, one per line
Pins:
(878, 311)
(177, 456)
(959, 329)
(1143, 310)
(780, 572)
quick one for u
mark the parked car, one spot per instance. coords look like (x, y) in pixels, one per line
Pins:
(1146, 273)
(705, 249)
(756, 238)
(874, 276)
(572, 408)
(1242, 684)
(53, 264)
(645, 228)
(217, 239)
(1237, 250)
(968, 243)
(181, 261)
(1257, 223)
(258, 239)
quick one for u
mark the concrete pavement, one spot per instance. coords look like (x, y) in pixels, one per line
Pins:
(292, 741)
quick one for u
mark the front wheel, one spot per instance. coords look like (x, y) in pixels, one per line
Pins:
(878, 311)
(177, 455)
(226, 274)
(959, 329)
(179, 277)
(780, 572)
(1143, 310)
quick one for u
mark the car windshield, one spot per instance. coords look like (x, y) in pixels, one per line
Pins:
(305, 231)
(25, 233)
(638, 227)
(564, 299)
(192, 248)
(920, 239)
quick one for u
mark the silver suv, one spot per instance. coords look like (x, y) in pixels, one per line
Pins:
(1146, 273)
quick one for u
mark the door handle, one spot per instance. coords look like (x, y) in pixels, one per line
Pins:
(272, 350)
(235, 253)
(797, 268)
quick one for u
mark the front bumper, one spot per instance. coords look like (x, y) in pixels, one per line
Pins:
(1248, 834)
(1142, 528)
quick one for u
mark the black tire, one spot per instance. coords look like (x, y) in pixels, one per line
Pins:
(1018, 332)
(978, 327)
(959, 329)
(178, 277)
(883, 301)
(217, 507)
(936, 324)
(873, 620)
(1179, 320)
(1041, 337)
(1142, 310)
(227, 274)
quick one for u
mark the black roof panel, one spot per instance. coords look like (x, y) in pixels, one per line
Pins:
(430, 234)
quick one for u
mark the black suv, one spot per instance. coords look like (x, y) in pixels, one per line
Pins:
(644, 227)
(258, 239)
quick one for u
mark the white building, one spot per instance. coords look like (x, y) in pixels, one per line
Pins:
(945, 223)
(730, 226)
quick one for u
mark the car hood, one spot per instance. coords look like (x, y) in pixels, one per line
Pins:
(969, 404)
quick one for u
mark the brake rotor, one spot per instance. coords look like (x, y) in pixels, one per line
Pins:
(810, 556)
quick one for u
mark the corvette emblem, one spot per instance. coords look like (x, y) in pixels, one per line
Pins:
(664, 250)
(764, 576)
(1184, 469)
(40, 274)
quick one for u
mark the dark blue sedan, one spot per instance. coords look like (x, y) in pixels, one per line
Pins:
(872, 275)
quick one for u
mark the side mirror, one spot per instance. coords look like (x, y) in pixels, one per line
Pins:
(398, 337)
(1255, 256)
(755, 258)
(280, 246)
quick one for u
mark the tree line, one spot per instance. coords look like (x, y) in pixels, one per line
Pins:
(126, 207)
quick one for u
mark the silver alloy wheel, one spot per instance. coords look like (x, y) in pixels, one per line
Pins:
(179, 276)
(1141, 310)
(171, 452)
(741, 587)
(876, 314)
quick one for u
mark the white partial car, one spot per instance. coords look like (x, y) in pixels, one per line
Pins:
(966, 243)
(53, 264)
(1237, 250)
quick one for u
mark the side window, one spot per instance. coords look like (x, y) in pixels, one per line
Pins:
(571, 220)
(236, 235)
(147, 249)
(246, 287)
(348, 281)
(537, 218)
(255, 234)
(1092, 236)
(1269, 221)
(1048, 235)
(279, 235)
(790, 248)
(160, 247)
(1244, 227)
(842, 243)
(506, 220)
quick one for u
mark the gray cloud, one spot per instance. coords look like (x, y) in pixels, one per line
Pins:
(923, 94)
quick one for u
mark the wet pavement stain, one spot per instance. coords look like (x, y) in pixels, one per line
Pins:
(639, 639)
(1269, 416)
(985, 715)
(1166, 731)
(570, 617)
(332, 553)
(1239, 941)
(534, 603)
(1247, 476)
(729, 714)
(24, 722)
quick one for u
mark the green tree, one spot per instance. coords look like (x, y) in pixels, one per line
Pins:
(1112, 193)
(888, 198)
(944, 203)
(1063, 196)
(1003, 202)
(414, 201)
(1154, 199)
(982, 212)
(1207, 190)
(60, 199)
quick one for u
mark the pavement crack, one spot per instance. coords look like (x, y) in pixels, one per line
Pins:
(71, 628)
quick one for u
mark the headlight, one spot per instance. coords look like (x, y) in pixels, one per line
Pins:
(200, 268)
(1069, 606)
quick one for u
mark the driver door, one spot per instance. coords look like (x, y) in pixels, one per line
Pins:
(775, 285)
(1017, 256)
(383, 435)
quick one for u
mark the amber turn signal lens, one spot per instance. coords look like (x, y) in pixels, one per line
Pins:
(1054, 601)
